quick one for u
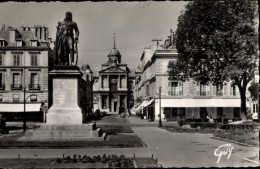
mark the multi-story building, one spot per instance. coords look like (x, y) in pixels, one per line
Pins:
(113, 84)
(189, 99)
(24, 54)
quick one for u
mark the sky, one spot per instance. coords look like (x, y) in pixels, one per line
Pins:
(135, 24)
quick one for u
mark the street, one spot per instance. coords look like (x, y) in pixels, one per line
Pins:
(171, 149)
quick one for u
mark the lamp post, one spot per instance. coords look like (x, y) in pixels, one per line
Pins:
(160, 119)
(24, 117)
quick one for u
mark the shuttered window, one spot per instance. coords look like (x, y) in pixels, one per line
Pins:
(17, 60)
(203, 91)
(16, 79)
(34, 60)
(1, 60)
(219, 89)
(180, 88)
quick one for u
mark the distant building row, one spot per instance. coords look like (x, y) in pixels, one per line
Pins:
(189, 99)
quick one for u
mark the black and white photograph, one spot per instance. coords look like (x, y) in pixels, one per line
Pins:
(121, 84)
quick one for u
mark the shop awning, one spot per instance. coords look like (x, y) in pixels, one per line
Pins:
(142, 105)
(149, 103)
(20, 107)
(200, 102)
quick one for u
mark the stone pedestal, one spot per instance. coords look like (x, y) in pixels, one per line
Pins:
(59, 132)
(65, 109)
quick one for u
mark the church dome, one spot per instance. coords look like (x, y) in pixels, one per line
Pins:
(85, 67)
(114, 52)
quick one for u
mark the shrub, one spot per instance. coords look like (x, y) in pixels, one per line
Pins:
(123, 115)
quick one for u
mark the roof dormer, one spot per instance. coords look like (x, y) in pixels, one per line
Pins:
(20, 42)
(3, 42)
(34, 42)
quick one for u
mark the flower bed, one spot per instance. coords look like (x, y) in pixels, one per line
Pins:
(223, 126)
(112, 129)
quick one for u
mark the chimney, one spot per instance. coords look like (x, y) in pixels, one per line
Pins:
(3, 27)
(13, 34)
(43, 33)
(38, 32)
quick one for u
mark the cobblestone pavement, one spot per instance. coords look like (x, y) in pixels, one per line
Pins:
(171, 149)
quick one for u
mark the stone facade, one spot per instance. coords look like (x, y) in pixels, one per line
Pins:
(112, 85)
(24, 59)
(180, 99)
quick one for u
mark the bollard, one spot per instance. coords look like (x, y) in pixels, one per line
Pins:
(18, 155)
(152, 156)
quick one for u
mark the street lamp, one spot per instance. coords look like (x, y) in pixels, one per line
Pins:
(160, 119)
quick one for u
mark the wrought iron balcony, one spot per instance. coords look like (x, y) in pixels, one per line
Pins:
(2, 87)
(34, 86)
(16, 86)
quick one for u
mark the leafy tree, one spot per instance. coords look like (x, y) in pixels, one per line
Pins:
(254, 90)
(217, 41)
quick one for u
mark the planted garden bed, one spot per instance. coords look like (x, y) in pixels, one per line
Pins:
(113, 129)
(81, 161)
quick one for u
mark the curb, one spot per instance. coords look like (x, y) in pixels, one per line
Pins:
(252, 161)
(243, 144)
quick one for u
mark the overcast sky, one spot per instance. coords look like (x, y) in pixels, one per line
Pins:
(135, 24)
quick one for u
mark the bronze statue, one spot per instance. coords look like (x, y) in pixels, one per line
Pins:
(65, 41)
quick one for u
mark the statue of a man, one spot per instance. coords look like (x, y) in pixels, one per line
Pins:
(65, 41)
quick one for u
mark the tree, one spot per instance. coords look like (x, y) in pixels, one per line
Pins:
(254, 90)
(217, 42)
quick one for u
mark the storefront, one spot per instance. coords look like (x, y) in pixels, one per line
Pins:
(174, 109)
(15, 112)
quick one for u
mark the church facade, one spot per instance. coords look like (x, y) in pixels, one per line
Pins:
(113, 84)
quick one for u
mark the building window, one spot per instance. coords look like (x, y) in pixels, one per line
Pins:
(236, 112)
(34, 81)
(16, 97)
(2, 43)
(254, 108)
(203, 113)
(34, 60)
(34, 43)
(1, 60)
(104, 102)
(174, 89)
(219, 112)
(16, 81)
(203, 91)
(234, 90)
(2, 81)
(219, 89)
(181, 112)
(19, 43)
(17, 60)
(33, 98)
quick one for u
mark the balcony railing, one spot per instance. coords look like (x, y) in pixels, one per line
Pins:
(34, 86)
(2, 87)
(16, 86)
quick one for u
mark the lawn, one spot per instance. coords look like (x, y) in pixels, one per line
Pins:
(113, 140)
(245, 136)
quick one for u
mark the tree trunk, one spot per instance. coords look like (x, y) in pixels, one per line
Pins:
(242, 91)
